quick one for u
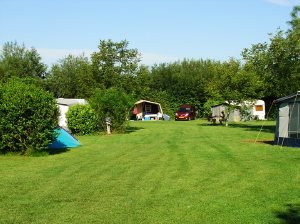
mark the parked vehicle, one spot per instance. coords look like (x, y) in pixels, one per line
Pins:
(185, 112)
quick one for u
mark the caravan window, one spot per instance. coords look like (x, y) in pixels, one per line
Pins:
(259, 108)
(294, 122)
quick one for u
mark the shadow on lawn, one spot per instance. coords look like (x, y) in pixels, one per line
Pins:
(254, 127)
(132, 129)
(267, 141)
(57, 151)
(247, 126)
(291, 215)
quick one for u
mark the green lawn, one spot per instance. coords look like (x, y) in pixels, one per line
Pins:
(159, 172)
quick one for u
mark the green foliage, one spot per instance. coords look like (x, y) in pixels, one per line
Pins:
(294, 31)
(113, 103)
(233, 82)
(81, 119)
(183, 80)
(114, 64)
(278, 63)
(71, 77)
(16, 60)
(28, 116)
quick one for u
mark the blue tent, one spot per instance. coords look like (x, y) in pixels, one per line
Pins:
(64, 140)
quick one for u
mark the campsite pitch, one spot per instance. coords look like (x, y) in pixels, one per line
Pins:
(158, 172)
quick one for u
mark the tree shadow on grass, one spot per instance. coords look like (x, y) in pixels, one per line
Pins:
(247, 126)
(132, 129)
(266, 141)
(291, 215)
(57, 151)
(254, 127)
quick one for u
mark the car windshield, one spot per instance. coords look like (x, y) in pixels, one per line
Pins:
(184, 109)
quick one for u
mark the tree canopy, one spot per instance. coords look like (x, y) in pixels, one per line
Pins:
(16, 60)
(267, 70)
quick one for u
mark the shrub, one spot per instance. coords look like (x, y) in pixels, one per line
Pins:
(28, 116)
(81, 119)
(112, 103)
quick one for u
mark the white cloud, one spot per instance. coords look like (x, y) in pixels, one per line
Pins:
(50, 56)
(287, 3)
(153, 58)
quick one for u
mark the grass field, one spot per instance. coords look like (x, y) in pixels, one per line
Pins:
(159, 172)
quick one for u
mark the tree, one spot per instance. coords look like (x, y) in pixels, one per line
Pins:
(16, 60)
(114, 64)
(113, 103)
(294, 31)
(277, 63)
(233, 82)
(71, 77)
(183, 81)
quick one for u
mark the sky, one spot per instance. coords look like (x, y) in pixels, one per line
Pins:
(161, 30)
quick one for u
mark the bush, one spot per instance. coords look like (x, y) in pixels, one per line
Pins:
(28, 116)
(112, 103)
(81, 119)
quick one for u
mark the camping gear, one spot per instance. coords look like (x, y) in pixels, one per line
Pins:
(166, 117)
(64, 140)
(287, 131)
(147, 110)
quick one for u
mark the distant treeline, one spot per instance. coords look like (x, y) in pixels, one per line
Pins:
(267, 70)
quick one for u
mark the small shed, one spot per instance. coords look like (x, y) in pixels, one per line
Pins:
(63, 105)
(287, 132)
(147, 110)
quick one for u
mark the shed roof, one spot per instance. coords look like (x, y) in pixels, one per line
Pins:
(237, 103)
(287, 97)
(220, 104)
(146, 101)
(70, 102)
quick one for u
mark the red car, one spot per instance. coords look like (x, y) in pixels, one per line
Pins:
(185, 112)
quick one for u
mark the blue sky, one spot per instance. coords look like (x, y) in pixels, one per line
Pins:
(162, 30)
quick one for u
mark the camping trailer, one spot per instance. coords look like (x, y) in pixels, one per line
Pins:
(147, 110)
(256, 110)
(63, 105)
(287, 132)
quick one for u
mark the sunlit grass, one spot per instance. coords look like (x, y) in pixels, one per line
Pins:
(159, 172)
